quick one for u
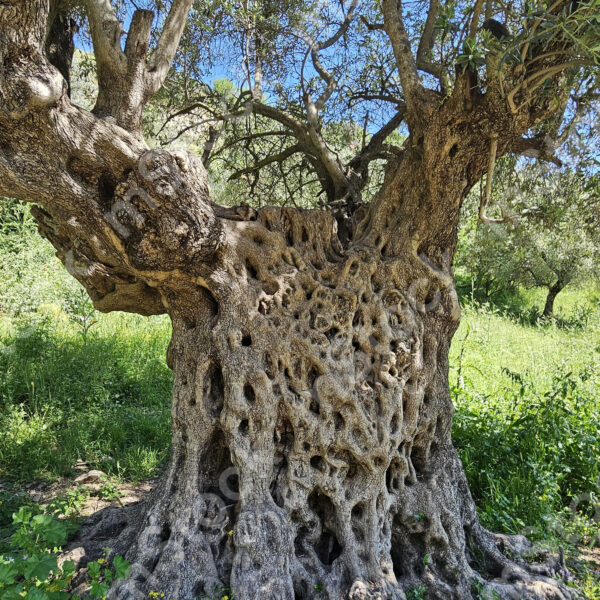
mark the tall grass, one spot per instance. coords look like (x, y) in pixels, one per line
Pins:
(527, 421)
(74, 384)
(104, 401)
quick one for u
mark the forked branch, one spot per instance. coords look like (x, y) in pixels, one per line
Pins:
(126, 80)
(105, 197)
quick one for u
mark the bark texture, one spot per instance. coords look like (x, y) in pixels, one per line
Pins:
(312, 455)
(311, 449)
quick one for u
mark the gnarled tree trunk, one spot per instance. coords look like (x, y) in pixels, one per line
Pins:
(311, 451)
(312, 424)
(312, 455)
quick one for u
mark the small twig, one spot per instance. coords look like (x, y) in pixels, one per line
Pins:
(541, 77)
(371, 26)
(534, 27)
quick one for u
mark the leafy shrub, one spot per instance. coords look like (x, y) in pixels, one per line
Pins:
(30, 568)
(528, 453)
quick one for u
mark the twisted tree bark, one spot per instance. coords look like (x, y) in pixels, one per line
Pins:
(311, 451)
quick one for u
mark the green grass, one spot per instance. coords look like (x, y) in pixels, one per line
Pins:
(74, 384)
(105, 402)
(491, 342)
(527, 421)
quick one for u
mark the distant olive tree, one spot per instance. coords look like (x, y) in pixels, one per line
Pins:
(550, 238)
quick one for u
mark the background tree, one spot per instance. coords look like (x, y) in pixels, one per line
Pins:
(310, 347)
(551, 242)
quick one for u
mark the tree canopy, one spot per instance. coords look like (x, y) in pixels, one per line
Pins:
(550, 241)
(309, 101)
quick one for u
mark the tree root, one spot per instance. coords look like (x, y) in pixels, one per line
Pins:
(499, 569)
(511, 577)
(112, 527)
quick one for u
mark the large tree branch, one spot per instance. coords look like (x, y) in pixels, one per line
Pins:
(136, 45)
(535, 80)
(123, 219)
(541, 147)
(121, 75)
(283, 117)
(246, 138)
(343, 28)
(316, 47)
(391, 126)
(475, 18)
(126, 81)
(311, 139)
(330, 85)
(412, 87)
(330, 170)
(162, 57)
(314, 107)
(375, 148)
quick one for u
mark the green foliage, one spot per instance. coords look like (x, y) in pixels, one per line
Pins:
(31, 544)
(70, 502)
(81, 312)
(587, 577)
(480, 593)
(106, 402)
(553, 243)
(102, 573)
(530, 449)
(472, 55)
(580, 27)
(29, 565)
(418, 593)
(68, 391)
(219, 593)
(109, 490)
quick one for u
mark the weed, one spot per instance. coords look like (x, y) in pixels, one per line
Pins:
(481, 593)
(109, 490)
(30, 568)
(417, 593)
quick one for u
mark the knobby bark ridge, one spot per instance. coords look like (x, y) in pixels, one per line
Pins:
(311, 453)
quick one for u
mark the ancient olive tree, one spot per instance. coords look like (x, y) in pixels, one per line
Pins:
(311, 453)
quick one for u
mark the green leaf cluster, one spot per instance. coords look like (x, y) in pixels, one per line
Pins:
(31, 567)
